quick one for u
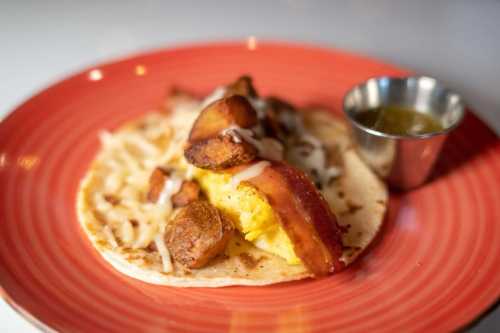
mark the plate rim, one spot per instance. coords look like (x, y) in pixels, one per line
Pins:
(327, 48)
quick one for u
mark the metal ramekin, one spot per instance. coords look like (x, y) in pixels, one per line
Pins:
(405, 161)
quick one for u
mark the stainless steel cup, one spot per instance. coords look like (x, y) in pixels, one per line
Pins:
(405, 161)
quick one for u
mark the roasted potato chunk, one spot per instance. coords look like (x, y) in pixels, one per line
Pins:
(221, 114)
(198, 233)
(208, 147)
(219, 153)
(242, 86)
(157, 181)
(189, 192)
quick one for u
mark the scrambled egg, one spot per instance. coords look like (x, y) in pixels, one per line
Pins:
(249, 211)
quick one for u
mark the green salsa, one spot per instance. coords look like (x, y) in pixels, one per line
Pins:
(398, 121)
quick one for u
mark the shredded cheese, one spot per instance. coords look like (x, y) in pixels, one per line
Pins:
(164, 253)
(171, 187)
(109, 235)
(129, 156)
(190, 170)
(307, 152)
(249, 173)
(268, 148)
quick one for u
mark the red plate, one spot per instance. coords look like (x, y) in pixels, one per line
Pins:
(435, 266)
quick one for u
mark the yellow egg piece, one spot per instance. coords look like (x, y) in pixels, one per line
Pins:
(250, 212)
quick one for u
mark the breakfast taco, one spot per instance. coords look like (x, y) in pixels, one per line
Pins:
(233, 189)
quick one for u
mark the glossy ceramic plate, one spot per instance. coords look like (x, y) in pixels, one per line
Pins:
(434, 267)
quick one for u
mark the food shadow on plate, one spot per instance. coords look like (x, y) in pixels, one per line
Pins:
(468, 141)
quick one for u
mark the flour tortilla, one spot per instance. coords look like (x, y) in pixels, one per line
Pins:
(358, 199)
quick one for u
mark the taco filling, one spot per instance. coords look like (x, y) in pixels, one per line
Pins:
(233, 189)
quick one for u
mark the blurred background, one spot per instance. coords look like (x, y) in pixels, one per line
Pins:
(454, 41)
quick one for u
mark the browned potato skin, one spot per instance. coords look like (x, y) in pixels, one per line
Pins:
(243, 86)
(219, 153)
(227, 111)
(197, 234)
(156, 182)
(207, 148)
(189, 192)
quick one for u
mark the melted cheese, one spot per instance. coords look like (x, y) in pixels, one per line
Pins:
(267, 148)
(128, 158)
(306, 152)
(109, 235)
(249, 173)
(171, 187)
(164, 254)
